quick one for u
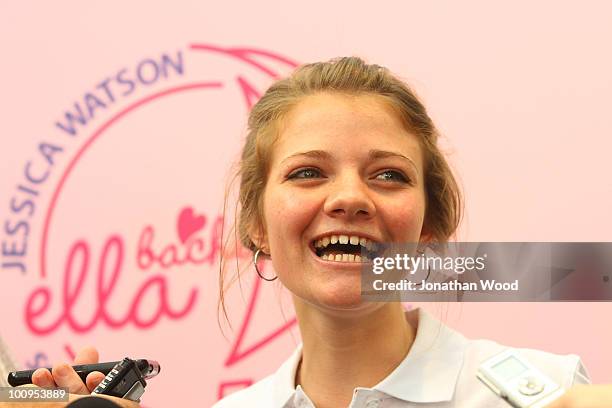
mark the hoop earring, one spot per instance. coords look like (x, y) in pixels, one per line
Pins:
(257, 269)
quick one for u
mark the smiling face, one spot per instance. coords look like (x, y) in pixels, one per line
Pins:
(344, 165)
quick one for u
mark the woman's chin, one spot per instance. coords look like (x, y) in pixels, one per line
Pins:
(340, 296)
(342, 302)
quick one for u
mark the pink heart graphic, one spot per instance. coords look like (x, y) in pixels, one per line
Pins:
(188, 223)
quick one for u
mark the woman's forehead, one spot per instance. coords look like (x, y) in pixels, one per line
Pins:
(327, 110)
(340, 122)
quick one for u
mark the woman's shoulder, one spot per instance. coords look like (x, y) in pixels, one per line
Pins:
(257, 395)
(564, 369)
(270, 391)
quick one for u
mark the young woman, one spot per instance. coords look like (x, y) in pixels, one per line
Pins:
(342, 155)
(339, 156)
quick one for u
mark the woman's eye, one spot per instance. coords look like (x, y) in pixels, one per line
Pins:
(305, 174)
(392, 175)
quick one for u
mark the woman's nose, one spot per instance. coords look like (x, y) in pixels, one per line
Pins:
(349, 197)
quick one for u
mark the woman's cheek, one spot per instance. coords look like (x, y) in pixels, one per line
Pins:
(407, 221)
(294, 208)
(287, 216)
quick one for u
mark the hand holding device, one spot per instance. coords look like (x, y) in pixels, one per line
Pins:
(148, 369)
(585, 396)
(63, 375)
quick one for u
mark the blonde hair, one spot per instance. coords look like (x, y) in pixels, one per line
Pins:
(351, 76)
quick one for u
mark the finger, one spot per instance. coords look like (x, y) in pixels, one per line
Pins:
(87, 355)
(93, 379)
(65, 376)
(43, 378)
(568, 400)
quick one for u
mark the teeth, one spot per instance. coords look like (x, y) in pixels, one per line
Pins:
(345, 258)
(345, 239)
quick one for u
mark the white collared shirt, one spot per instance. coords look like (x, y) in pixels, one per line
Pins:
(439, 371)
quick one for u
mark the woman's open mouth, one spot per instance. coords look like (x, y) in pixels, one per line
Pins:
(345, 248)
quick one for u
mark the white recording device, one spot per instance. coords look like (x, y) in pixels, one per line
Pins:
(517, 381)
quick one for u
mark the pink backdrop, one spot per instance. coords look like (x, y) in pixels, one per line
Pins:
(121, 121)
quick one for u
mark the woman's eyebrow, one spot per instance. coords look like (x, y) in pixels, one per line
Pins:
(315, 154)
(383, 154)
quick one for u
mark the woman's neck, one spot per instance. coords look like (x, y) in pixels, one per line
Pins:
(340, 354)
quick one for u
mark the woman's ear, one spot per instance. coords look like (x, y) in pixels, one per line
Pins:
(259, 238)
(426, 236)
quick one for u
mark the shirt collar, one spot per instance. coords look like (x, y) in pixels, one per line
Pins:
(428, 373)
(284, 378)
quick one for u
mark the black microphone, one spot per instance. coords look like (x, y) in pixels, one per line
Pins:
(149, 369)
